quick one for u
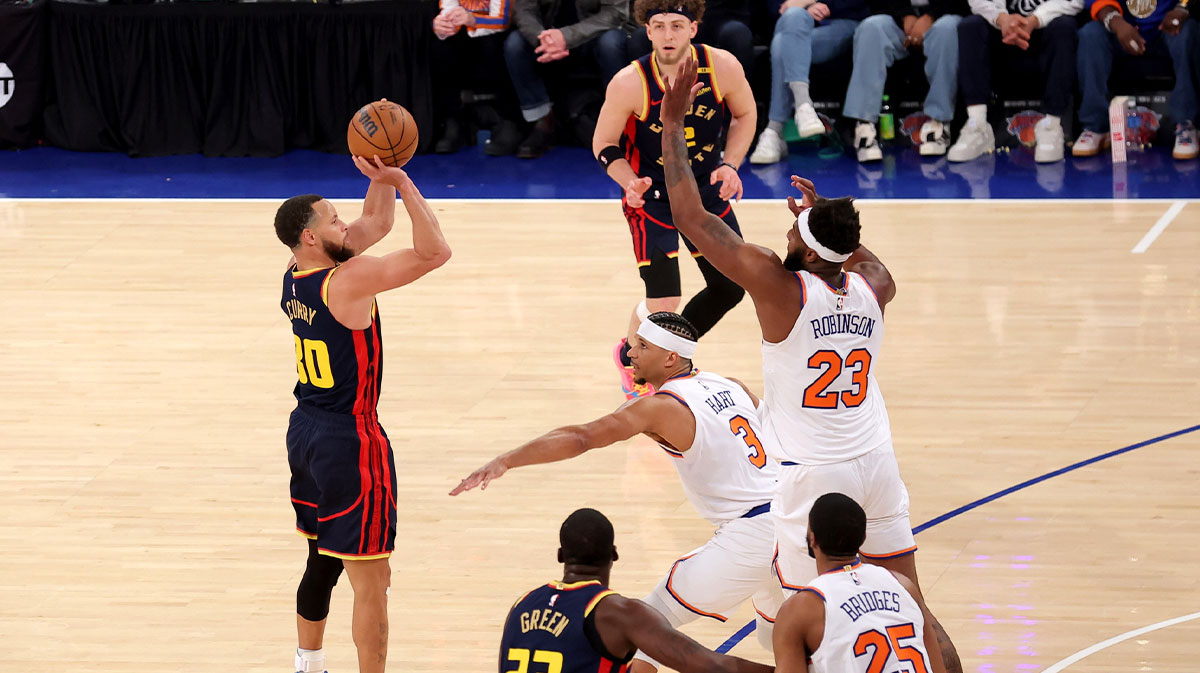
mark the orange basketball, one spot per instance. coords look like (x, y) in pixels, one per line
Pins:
(383, 128)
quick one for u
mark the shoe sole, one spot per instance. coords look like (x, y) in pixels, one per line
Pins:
(810, 132)
(936, 151)
(1185, 157)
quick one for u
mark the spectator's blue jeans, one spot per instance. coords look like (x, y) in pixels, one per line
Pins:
(1098, 48)
(607, 50)
(879, 42)
(797, 44)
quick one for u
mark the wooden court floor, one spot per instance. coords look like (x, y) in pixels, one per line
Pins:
(143, 481)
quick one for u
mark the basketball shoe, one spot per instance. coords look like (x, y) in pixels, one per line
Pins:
(628, 386)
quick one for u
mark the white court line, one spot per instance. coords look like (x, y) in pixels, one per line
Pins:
(1088, 651)
(1144, 244)
(14, 199)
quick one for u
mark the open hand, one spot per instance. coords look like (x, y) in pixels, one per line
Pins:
(808, 191)
(378, 172)
(634, 191)
(481, 477)
(731, 182)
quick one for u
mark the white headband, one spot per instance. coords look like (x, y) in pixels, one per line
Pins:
(811, 241)
(660, 337)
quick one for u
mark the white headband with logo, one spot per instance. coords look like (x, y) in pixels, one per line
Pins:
(811, 241)
(667, 340)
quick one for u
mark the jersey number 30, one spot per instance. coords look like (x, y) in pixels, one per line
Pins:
(312, 362)
(881, 646)
(553, 660)
(817, 397)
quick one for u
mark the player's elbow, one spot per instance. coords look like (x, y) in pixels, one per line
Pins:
(436, 257)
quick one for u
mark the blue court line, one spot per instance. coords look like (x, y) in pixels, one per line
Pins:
(749, 628)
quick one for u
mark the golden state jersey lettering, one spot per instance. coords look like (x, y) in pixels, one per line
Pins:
(706, 123)
(337, 369)
(551, 630)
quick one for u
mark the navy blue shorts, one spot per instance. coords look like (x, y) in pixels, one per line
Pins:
(653, 230)
(343, 483)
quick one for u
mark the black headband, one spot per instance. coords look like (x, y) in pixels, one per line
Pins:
(681, 10)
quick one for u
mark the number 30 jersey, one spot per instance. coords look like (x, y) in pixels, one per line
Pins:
(871, 623)
(338, 368)
(725, 472)
(821, 404)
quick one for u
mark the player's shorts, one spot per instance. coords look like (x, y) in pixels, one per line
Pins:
(732, 567)
(653, 230)
(872, 480)
(343, 483)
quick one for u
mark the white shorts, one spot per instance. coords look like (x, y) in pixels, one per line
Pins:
(735, 565)
(872, 480)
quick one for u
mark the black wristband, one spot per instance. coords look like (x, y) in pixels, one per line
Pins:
(608, 155)
(726, 163)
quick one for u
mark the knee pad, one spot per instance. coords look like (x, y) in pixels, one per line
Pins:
(316, 587)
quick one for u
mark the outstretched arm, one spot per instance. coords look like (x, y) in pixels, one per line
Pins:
(656, 414)
(626, 624)
(755, 268)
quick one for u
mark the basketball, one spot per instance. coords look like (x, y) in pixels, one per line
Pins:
(383, 128)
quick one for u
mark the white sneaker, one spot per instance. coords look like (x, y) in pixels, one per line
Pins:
(1048, 141)
(1185, 141)
(867, 143)
(770, 149)
(974, 141)
(1089, 144)
(935, 138)
(808, 124)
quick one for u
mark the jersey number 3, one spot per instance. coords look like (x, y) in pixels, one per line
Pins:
(881, 646)
(312, 362)
(817, 397)
(741, 427)
(553, 660)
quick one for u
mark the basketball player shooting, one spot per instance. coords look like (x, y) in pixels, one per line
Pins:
(627, 144)
(343, 473)
(709, 426)
(821, 315)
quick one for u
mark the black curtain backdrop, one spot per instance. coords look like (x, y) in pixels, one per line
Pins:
(231, 79)
(22, 51)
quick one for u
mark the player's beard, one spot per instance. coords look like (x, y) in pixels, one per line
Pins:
(794, 261)
(338, 253)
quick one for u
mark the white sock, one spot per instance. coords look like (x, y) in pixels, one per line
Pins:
(800, 93)
(310, 661)
(978, 113)
(776, 127)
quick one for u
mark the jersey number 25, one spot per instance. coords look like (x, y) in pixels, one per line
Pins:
(882, 645)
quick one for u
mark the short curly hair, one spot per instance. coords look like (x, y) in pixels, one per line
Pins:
(643, 7)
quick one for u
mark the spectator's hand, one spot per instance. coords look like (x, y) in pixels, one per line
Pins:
(634, 191)
(1128, 37)
(460, 17)
(1013, 31)
(788, 4)
(914, 31)
(819, 11)
(807, 190)
(553, 39)
(443, 27)
(548, 54)
(1173, 22)
(731, 182)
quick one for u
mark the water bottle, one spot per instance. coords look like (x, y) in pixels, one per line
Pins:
(887, 122)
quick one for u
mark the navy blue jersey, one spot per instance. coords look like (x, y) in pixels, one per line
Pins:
(706, 123)
(339, 368)
(550, 629)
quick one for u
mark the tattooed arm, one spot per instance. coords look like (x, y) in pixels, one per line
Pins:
(755, 268)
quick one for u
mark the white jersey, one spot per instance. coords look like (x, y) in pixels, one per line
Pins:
(867, 612)
(821, 403)
(726, 471)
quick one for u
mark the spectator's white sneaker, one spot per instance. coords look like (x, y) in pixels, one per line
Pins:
(808, 124)
(935, 138)
(974, 141)
(1185, 141)
(1048, 140)
(867, 143)
(1089, 144)
(770, 149)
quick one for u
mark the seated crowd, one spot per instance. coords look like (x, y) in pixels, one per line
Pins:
(500, 55)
